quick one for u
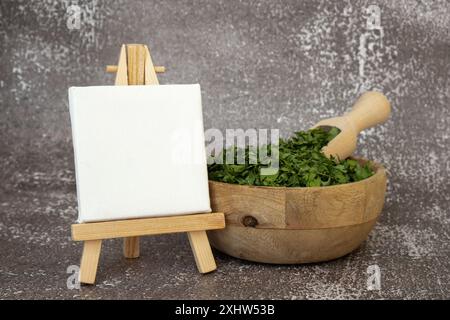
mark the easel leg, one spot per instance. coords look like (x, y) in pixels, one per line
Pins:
(131, 247)
(89, 261)
(202, 251)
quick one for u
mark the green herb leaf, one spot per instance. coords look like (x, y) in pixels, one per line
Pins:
(301, 164)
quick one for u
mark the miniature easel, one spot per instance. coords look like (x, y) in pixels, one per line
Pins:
(136, 68)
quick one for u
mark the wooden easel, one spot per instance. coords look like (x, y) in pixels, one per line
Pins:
(136, 68)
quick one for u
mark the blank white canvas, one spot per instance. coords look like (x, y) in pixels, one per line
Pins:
(139, 151)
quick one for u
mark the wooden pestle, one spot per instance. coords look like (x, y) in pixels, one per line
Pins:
(370, 109)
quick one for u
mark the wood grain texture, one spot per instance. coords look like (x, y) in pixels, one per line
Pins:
(312, 208)
(135, 73)
(147, 226)
(131, 247)
(122, 74)
(89, 261)
(266, 205)
(150, 73)
(201, 249)
(375, 194)
(136, 64)
(289, 246)
(113, 69)
(296, 225)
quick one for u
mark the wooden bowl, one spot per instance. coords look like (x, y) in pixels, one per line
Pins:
(296, 225)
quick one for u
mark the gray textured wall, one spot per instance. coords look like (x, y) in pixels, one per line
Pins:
(262, 64)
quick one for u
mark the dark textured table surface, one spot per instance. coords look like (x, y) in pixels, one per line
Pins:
(265, 64)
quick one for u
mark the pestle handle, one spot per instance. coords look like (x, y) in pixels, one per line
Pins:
(370, 109)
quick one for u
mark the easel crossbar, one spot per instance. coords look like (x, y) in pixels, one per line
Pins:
(147, 226)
